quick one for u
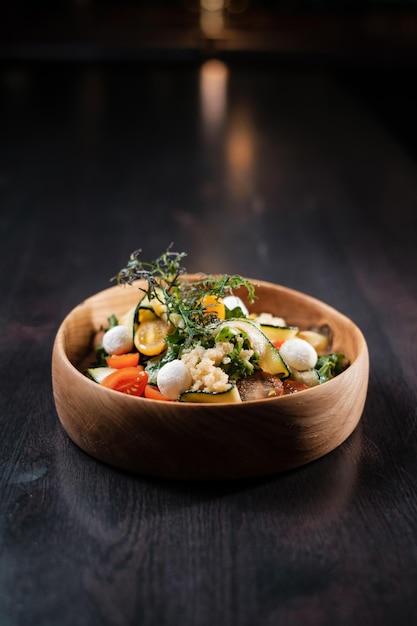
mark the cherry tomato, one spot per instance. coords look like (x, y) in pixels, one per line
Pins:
(130, 380)
(150, 336)
(131, 359)
(152, 393)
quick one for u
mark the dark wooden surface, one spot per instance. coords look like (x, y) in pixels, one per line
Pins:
(302, 182)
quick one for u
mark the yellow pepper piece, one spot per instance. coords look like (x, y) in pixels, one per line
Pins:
(214, 306)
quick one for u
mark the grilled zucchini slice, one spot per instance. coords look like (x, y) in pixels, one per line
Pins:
(230, 395)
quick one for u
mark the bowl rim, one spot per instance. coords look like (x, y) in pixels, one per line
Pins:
(59, 351)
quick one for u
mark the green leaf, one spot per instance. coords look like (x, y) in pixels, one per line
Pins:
(329, 366)
(113, 321)
(99, 350)
(234, 313)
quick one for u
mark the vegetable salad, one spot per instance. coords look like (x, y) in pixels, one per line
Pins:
(198, 342)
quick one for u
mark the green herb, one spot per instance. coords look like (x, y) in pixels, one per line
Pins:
(100, 351)
(234, 313)
(163, 273)
(330, 365)
(154, 364)
(183, 300)
(237, 365)
(113, 321)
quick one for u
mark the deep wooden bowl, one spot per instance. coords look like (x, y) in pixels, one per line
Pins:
(207, 441)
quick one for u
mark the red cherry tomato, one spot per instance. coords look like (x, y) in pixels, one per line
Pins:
(130, 380)
(131, 359)
(152, 393)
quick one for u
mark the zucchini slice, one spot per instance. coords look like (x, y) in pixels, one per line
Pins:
(279, 333)
(231, 395)
(129, 319)
(270, 359)
(156, 304)
(308, 377)
(145, 310)
(98, 374)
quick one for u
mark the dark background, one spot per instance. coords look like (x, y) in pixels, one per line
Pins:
(369, 45)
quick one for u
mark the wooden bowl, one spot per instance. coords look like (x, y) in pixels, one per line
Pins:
(207, 441)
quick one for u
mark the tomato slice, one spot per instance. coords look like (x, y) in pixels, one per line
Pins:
(152, 393)
(131, 359)
(130, 380)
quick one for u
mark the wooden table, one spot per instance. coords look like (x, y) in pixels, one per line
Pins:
(286, 176)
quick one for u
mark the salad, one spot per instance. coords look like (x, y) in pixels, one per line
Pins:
(198, 341)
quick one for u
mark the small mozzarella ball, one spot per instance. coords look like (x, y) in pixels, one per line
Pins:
(118, 340)
(298, 354)
(317, 340)
(173, 378)
(231, 302)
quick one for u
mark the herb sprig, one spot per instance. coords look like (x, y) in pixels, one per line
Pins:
(164, 272)
(184, 301)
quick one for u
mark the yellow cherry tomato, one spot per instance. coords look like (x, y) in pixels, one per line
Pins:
(150, 336)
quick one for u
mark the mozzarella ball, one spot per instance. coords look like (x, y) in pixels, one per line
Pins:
(231, 302)
(118, 340)
(298, 354)
(173, 378)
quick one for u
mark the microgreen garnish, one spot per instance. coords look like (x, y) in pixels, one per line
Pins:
(183, 300)
(163, 273)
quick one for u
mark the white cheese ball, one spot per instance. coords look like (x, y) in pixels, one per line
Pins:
(298, 354)
(118, 340)
(173, 378)
(231, 302)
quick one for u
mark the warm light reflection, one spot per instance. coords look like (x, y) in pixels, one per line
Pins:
(239, 150)
(212, 5)
(240, 154)
(213, 93)
(211, 23)
(212, 17)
